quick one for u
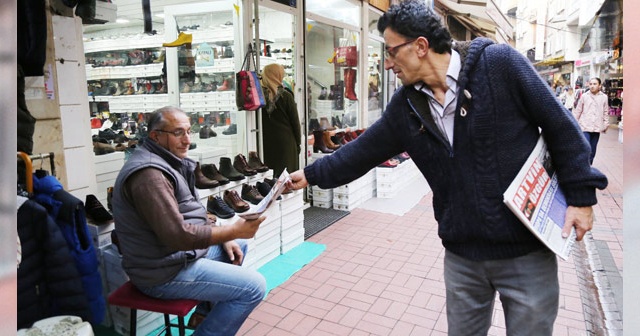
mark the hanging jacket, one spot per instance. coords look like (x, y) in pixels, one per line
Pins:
(48, 282)
(68, 212)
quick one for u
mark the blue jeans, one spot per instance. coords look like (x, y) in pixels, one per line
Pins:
(528, 287)
(233, 291)
(592, 139)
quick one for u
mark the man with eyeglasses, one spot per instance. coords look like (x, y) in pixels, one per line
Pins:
(170, 248)
(469, 115)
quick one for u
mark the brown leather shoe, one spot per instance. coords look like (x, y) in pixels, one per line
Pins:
(203, 182)
(240, 164)
(256, 164)
(232, 198)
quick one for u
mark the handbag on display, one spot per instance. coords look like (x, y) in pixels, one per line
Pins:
(347, 54)
(249, 95)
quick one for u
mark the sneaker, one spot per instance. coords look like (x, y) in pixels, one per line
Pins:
(218, 207)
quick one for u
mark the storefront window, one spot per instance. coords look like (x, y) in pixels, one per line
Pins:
(332, 76)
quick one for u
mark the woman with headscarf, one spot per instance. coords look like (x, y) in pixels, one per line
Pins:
(280, 122)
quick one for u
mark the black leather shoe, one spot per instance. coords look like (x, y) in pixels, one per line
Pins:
(95, 210)
(210, 171)
(251, 194)
(218, 207)
(228, 171)
(264, 188)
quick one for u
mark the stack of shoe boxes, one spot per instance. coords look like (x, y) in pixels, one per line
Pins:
(292, 220)
(266, 244)
(351, 195)
(116, 277)
(101, 236)
(390, 181)
(207, 154)
(107, 167)
(321, 198)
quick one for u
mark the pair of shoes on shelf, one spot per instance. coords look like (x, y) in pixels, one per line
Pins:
(229, 171)
(241, 165)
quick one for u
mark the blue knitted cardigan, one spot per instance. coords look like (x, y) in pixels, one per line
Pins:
(496, 126)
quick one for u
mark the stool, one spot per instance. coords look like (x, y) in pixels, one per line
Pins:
(131, 297)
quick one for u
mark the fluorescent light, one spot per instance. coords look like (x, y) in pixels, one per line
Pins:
(122, 20)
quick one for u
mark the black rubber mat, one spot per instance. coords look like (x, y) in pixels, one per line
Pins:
(317, 219)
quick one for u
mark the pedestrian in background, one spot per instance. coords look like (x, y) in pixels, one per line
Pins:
(280, 123)
(569, 98)
(592, 113)
(469, 143)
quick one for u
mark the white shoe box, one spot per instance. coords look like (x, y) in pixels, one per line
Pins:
(107, 167)
(323, 204)
(207, 154)
(390, 181)
(322, 195)
(294, 239)
(292, 202)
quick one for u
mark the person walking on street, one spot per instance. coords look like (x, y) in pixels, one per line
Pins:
(469, 143)
(569, 98)
(170, 248)
(592, 113)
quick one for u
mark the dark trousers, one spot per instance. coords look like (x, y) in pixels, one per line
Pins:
(592, 139)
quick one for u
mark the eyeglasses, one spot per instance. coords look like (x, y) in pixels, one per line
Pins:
(178, 133)
(392, 51)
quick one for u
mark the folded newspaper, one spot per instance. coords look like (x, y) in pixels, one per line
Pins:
(535, 198)
(276, 191)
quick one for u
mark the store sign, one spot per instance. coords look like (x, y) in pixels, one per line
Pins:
(382, 5)
(581, 63)
(204, 55)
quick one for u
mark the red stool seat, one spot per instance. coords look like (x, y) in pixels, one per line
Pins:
(131, 297)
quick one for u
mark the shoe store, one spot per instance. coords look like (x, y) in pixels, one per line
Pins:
(109, 64)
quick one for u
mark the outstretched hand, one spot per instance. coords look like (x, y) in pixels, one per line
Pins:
(298, 180)
(579, 217)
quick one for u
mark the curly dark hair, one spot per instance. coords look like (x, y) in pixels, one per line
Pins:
(412, 18)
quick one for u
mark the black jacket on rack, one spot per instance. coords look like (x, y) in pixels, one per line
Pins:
(48, 282)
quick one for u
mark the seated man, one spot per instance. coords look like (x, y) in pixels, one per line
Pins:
(170, 247)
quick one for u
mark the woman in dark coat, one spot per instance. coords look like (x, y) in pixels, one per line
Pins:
(280, 123)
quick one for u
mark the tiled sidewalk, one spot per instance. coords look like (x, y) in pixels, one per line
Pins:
(382, 274)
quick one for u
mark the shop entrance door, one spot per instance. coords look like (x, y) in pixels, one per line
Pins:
(279, 36)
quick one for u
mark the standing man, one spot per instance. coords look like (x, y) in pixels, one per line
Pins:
(592, 113)
(170, 248)
(468, 115)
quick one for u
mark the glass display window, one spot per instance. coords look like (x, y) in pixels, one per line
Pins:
(332, 76)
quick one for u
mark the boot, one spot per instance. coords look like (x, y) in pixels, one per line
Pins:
(318, 144)
(240, 164)
(325, 125)
(183, 39)
(228, 171)
(203, 182)
(350, 84)
(326, 137)
(211, 172)
(256, 164)
(232, 129)
(314, 124)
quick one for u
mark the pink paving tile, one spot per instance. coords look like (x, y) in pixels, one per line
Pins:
(306, 325)
(352, 317)
(337, 295)
(396, 309)
(333, 328)
(380, 306)
(356, 304)
(373, 329)
(337, 313)
(290, 321)
(402, 329)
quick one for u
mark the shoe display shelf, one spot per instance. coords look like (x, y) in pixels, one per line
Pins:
(292, 220)
(266, 244)
(146, 321)
(215, 101)
(390, 181)
(235, 185)
(123, 71)
(349, 196)
(107, 167)
(133, 103)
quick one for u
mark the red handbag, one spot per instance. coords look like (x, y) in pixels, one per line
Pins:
(347, 56)
(249, 95)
